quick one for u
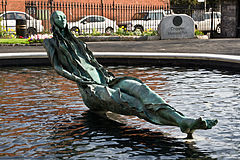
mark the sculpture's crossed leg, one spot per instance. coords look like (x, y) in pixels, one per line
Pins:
(150, 106)
(158, 112)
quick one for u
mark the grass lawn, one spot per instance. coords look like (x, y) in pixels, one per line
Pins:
(14, 41)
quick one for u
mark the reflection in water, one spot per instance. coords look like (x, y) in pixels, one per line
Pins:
(91, 136)
(42, 116)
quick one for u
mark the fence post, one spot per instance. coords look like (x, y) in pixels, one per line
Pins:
(102, 6)
(50, 2)
(113, 15)
(211, 33)
(5, 10)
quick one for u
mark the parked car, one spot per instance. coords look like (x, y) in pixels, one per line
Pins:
(93, 22)
(144, 20)
(9, 21)
(203, 21)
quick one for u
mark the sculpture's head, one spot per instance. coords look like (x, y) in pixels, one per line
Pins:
(58, 18)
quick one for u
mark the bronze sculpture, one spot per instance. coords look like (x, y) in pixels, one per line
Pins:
(102, 92)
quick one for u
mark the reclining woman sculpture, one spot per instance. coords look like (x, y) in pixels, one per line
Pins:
(102, 92)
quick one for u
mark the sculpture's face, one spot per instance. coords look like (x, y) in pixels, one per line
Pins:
(60, 19)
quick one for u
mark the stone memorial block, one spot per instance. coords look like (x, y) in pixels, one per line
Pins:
(176, 26)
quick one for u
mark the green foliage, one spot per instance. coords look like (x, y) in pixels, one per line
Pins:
(121, 31)
(198, 33)
(150, 32)
(14, 41)
(95, 32)
(6, 39)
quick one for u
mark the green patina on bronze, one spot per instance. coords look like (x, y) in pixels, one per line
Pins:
(102, 91)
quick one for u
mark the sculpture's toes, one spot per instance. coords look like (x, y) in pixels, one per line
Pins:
(211, 123)
(203, 124)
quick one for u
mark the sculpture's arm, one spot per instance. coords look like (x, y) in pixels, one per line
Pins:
(58, 67)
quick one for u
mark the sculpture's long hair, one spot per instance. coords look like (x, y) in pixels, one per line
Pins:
(70, 53)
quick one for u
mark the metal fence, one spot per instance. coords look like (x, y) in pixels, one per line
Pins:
(3, 8)
(104, 18)
(107, 18)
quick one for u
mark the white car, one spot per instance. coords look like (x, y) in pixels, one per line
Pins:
(203, 21)
(144, 20)
(93, 22)
(9, 22)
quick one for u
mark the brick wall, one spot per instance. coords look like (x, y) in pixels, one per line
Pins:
(16, 5)
(19, 5)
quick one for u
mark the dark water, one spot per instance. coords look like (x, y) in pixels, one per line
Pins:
(42, 116)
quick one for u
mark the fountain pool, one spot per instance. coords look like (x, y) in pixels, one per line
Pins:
(43, 116)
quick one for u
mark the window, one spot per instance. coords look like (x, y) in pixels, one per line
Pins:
(140, 16)
(9, 16)
(20, 16)
(207, 16)
(90, 19)
(156, 16)
(28, 17)
(99, 19)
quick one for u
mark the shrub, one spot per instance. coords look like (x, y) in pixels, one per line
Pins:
(198, 33)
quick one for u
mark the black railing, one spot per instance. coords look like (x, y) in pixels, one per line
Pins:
(85, 17)
(3, 9)
(106, 18)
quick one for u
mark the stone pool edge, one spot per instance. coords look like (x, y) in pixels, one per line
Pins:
(127, 58)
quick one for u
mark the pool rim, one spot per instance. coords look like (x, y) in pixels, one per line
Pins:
(130, 58)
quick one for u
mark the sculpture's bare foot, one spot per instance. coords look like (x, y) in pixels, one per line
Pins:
(190, 125)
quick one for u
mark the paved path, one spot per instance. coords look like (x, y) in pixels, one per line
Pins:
(212, 46)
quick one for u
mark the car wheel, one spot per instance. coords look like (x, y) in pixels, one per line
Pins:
(31, 31)
(139, 28)
(75, 30)
(109, 30)
(218, 29)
